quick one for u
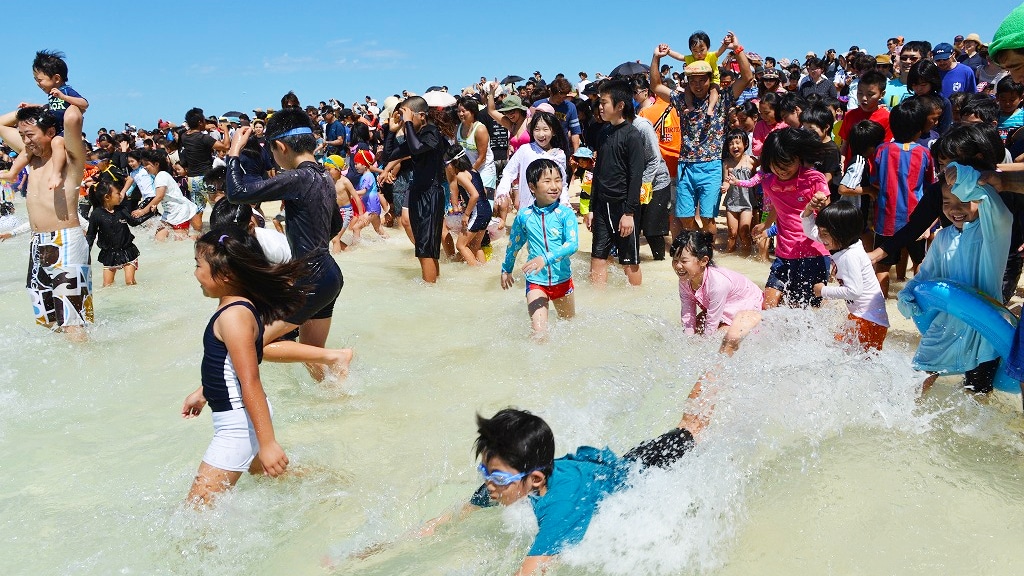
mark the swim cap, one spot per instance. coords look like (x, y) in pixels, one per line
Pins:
(364, 157)
(335, 161)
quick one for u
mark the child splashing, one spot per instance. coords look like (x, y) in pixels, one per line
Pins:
(713, 299)
(231, 267)
(838, 227)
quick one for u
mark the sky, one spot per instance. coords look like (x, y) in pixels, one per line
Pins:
(138, 62)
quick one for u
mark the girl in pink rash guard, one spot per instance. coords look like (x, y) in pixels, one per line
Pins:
(713, 299)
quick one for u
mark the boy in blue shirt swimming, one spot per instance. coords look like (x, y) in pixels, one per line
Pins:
(550, 231)
(517, 460)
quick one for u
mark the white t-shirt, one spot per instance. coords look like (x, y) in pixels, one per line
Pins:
(144, 182)
(275, 245)
(175, 207)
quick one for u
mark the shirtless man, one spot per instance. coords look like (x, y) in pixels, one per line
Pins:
(60, 278)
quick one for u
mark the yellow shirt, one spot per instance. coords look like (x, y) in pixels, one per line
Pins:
(712, 59)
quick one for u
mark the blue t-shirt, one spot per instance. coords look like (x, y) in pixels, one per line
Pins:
(58, 106)
(578, 484)
(566, 113)
(959, 79)
(1009, 123)
(334, 131)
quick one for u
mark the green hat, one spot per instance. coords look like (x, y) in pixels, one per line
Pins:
(1010, 34)
(512, 102)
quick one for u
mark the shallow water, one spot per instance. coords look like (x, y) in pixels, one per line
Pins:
(816, 461)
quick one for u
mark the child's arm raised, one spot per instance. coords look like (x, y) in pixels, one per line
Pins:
(658, 88)
(237, 328)
(726, 41)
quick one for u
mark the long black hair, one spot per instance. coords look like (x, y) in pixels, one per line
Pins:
(235, 256)
(788, 145)
(701, 244)
(558, 139)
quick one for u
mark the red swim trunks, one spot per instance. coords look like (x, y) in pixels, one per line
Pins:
(552, 292)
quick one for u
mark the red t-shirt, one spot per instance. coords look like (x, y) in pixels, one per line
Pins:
(881, 115)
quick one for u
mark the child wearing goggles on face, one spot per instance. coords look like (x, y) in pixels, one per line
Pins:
(517, 460)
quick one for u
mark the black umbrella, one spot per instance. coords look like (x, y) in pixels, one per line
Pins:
(434, 89)
(630, 68)
(512, 79)
(232, 114)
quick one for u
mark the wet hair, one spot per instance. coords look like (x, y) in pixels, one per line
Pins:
(620, 92)
(874, 78)
(843, 221)
(455, 156)
(225, 213)
(1008, 84)
(538, 167)
(290, 100)
(907, 119)
(820, 115)
(732, 135)
(788, 145)
(290, 119)
(925, 72)
(236, 257)
(922, 47)
(865, 137)
(773, 100)
(195, 118)
(157, 157)
(699, 35)
(50, 63)
(971, 145)
(217, 176)
(791, 101)
(38, 115)
(523, 440)
(985, 108)
(700, 243)
(558, 139)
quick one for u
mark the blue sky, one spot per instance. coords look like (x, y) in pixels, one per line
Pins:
(140, 61)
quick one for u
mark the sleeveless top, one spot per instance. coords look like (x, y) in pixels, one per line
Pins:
(488, 172)
(482, 209)
(221, 387)
(518, 140)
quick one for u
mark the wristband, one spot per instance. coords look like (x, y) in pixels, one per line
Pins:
(738, 50)
(772, 231)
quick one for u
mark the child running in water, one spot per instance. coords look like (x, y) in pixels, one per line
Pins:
(362, 161)
(800, 262)
(739, 200)
(231, 267)
(108, 222)
(838, 227)
(549, 244)
(972, 252)
(177, 211)
(349, 203)
(469, 199)
(713, 299)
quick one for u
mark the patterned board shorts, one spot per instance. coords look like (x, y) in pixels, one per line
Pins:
(60, 278)
(198, 192)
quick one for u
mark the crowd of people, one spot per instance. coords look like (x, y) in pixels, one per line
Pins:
(835, 165)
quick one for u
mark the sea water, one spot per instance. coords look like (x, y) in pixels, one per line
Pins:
(816, 461)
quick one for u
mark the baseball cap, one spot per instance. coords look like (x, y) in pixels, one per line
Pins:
(697, 68)
(810, 54)
(943, 51)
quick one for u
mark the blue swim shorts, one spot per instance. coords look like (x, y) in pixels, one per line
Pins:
(700, 184)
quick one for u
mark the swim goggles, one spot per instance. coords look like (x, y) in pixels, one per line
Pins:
(501, 478)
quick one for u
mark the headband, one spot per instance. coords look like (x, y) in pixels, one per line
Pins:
(294, 132)
(457, 156)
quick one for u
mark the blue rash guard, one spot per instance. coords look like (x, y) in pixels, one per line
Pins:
(551, 232)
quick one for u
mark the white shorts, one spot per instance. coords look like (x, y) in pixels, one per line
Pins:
(234, 442)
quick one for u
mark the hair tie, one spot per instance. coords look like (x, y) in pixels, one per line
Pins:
(222, 237)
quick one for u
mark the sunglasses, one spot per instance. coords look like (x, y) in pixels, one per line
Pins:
(501, 478)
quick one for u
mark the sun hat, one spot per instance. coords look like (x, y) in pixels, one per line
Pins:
(583, 152)
(697, 68)
(770, 74)
(974, 37)
(389, 106)
(883, 59)
(511, 103)
(1010, 33)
